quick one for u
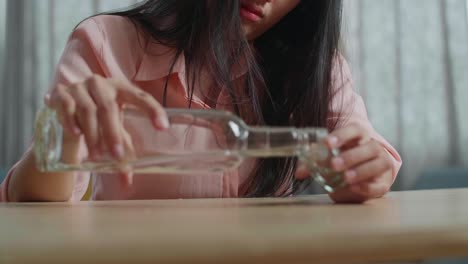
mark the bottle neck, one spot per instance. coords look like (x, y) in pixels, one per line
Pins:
(281, 142)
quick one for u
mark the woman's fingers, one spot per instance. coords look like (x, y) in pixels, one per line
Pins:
(344, 136)
(365, 164)
(86, 114)
(93, 109)
(127, 93)
(302, 172)
(104, 97)
(357, 155)
(373, 188)
(61, 100)
(362, 162)
(368, 170)
(127, 178)
(347, 196)
(362, 192)
(130, 154)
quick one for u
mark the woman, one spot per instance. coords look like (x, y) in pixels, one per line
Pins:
(273, 62)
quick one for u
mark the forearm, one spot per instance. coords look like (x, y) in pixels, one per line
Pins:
(28, 184)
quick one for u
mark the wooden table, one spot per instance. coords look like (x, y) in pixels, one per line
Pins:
(402, 226)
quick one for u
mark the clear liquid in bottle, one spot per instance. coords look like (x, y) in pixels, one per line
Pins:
(197, 141)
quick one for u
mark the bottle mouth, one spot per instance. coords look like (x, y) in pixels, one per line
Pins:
(48, 135)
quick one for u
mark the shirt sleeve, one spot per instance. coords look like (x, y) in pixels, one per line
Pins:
(348, 108)
(80, 60)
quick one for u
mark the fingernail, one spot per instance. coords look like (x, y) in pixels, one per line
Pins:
(164, 123)
(76, 130)
(47, 98)
(130, 179)
(350, 176)
(119, 151)
(332, 141)
(301, 172)
(338, 163)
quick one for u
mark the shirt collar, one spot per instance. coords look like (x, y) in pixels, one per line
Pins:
(157, 60)
(156, 63)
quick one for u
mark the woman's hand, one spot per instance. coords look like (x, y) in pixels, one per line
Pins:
(366, 165)
(92, 109)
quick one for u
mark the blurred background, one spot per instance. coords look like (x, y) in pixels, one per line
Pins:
(409, 60)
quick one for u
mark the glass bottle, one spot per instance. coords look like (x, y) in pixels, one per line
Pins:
(197, 141)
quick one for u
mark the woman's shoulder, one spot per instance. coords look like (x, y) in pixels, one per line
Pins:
(113, 29)
(117, 43)
(341, 72)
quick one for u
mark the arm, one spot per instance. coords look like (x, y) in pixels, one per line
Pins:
(91, 85)
(369, 163)
(24, 182)
(348, 109)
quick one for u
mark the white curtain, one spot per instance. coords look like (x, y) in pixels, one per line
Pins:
(2, 32)
(410, 63)
(36, 32)
(409, 60)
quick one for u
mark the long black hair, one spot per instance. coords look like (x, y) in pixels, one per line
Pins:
(288, 80)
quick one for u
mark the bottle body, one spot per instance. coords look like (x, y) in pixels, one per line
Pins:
(197, 141)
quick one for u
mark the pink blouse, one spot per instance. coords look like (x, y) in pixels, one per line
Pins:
(110, 46)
